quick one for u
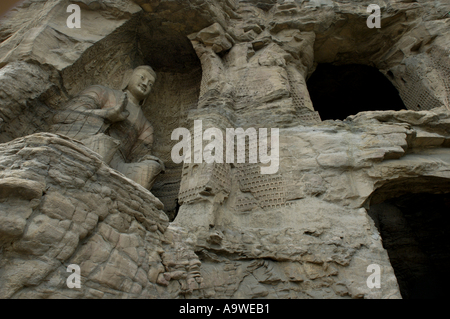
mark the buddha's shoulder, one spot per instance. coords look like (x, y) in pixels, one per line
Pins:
(101, 93)
(102, 89)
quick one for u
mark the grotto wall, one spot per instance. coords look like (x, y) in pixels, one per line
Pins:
(215, 230)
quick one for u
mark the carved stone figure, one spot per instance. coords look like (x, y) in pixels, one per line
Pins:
(111, 123)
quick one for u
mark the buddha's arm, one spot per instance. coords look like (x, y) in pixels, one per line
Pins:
(115, 113)
(95, 101)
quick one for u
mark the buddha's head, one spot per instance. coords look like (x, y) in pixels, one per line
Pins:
(140, 83)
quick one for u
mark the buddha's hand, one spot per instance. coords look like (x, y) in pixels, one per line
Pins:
(153, 158)
(119, 113)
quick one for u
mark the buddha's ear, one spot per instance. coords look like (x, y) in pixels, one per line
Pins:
(126, 79)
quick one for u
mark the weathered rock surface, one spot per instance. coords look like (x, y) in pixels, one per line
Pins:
(308, 231)
(52, 216)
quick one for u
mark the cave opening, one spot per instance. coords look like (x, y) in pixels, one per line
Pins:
(415, 231)
(340, 91)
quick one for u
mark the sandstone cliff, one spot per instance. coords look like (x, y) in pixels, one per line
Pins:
(224, 230)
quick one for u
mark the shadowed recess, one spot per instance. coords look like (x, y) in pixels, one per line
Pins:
(415, 230)
(340, 91)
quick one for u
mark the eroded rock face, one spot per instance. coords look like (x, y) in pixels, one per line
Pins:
(53, 216)
(303, 232)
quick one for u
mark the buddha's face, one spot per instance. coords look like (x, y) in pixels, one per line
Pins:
(140, 84)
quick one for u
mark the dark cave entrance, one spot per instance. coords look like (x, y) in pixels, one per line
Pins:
(340, 91)
(415, 231)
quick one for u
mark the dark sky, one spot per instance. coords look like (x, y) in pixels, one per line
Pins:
(5, 5)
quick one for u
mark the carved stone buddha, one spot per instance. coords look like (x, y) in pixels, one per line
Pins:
(112, 123)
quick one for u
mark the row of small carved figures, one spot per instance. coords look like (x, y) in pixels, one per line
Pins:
(258, 185)
(253, 204)
(267, 200)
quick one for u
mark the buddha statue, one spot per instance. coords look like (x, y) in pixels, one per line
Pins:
(112, 123)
